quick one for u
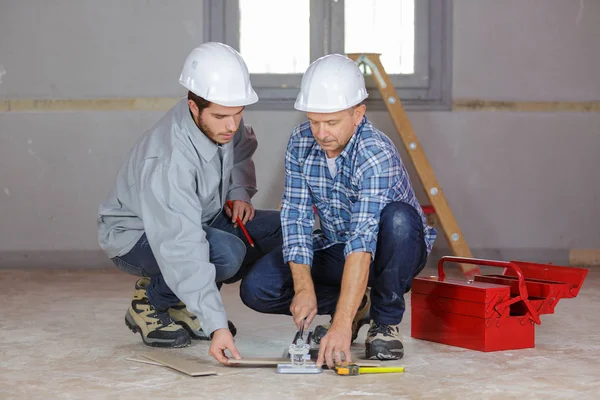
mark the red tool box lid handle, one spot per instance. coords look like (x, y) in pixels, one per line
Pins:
(523, 295)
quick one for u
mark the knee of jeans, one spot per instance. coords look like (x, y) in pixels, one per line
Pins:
(249, 288)
(126, 267)
(238, 251)
(232, 260)
(254, 294)
(400, 220)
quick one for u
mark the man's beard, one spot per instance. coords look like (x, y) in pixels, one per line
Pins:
(205, 129)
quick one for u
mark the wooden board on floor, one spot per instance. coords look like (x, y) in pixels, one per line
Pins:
(584, 257)
(202, 368)
(273, 361)
(144, 361)
(184, 365)
(255, 361)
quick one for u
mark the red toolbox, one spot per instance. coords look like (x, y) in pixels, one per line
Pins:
(491, 312)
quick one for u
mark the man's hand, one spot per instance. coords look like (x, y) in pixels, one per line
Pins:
(304, 305)
(241, 209)
(223, 340)
(339, 336)
(334, 343)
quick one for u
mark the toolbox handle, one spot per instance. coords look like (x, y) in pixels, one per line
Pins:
(523, 295)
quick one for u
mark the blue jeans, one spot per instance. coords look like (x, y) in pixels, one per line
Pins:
(401, 254)
(229, 252)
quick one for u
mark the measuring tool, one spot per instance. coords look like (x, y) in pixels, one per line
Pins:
(351, 369)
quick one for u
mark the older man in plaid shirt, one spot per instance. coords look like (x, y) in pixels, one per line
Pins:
(373, 230)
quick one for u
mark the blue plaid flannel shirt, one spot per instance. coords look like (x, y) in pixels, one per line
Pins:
(370, 175)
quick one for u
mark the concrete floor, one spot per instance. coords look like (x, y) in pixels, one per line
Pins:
(62, 336)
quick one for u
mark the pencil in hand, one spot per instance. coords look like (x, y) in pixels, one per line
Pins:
(239, 221)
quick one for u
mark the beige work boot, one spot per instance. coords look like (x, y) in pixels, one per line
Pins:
(180, 315)
(384, 342)
(361, 318)
(156, 327)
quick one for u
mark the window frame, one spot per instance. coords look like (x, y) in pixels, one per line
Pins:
(429, 88)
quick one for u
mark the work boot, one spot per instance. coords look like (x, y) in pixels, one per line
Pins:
(190, 323)
(361, 318)
(384, 342)
(156, 327)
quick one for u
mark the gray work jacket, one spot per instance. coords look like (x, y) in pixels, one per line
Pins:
(168, 188)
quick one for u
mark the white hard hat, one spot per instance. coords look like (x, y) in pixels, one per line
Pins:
(218, 73)
(330, 84)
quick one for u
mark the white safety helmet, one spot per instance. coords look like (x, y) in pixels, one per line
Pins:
(330, 84)
(218, 73)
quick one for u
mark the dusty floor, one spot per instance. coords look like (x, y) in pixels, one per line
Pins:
(62, 336)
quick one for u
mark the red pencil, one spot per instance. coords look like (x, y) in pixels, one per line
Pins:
(239, 221)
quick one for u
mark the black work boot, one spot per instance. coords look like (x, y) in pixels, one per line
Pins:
(156, 327)
(384, 342)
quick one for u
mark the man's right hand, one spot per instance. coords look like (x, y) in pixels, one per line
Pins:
(304, 305)
(223, 340)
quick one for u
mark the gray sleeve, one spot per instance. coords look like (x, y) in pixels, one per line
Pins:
(172, 217)
(243, 175)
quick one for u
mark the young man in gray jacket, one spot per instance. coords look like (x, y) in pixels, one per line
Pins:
(164, 218)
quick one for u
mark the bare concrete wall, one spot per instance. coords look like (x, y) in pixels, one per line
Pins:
(520, 184)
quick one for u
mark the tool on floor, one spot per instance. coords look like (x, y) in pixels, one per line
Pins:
(413, 148)
(313, 344)
(490, 312)
(241, 224)
(351, 369)
(299, 354)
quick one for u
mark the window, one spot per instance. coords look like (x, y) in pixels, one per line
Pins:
(376, 19)
(275, 45)
(280, 38)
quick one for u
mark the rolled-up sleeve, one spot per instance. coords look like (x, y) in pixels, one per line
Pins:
(375, 177)
(297, 217)
(243, 176)
(172, 217)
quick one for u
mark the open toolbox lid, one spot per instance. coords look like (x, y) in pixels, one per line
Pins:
(534, 288)
(572, 276)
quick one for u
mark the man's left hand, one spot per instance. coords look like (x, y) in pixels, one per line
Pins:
(333, 344)
(241, 209)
